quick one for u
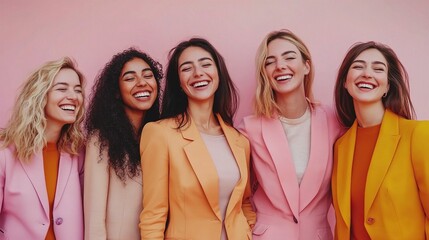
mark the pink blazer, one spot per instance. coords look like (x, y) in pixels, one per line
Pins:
(285, 210)
(24, 203)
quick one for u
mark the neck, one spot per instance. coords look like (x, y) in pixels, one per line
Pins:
(135, 117)
(369, 115)
(53, 133)
(204, 118)
(292, 106)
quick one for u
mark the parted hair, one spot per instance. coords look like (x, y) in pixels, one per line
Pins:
(175, 101)
(397, 99)
(107, 119)
(265, 103)
(26, 127)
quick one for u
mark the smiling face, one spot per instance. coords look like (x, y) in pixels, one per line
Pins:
(285, 67)
(64, 99)
(137, 86)
(366, 79)
(198, 74)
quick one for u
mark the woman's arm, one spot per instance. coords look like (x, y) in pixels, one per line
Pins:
(95, 191)
(155, 162)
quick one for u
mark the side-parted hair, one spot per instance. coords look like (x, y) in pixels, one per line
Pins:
(175, 101)
(398, 97)
(107, 119)
(265, 103)
(27, 124)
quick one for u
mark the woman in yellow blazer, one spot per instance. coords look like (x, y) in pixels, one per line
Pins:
(195, 164)
(380, 180)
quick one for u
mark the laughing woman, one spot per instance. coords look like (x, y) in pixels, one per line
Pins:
(124, 99)
(40, 169)
(380, 182)
(195, 164)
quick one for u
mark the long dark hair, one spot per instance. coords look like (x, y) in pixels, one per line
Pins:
(397, 98)
(106, 114)
(175, 101)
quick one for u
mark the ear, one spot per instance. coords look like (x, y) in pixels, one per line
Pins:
(307, 67)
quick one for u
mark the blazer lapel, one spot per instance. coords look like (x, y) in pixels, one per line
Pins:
(384, 150)
(344, 171)
(36, 174)
(277, 145)
(203, 166)
(238, 151)
(318, 158)
(64, 171)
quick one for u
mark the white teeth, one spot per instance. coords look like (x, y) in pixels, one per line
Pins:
(365, 85)
(142, 94)
(200, 84)
(284, 77)
(68, 107)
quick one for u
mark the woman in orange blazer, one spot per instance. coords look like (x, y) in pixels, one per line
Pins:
(380, 180)
(195, 164)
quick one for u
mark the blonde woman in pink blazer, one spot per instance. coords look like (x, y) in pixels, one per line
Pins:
(40, 168)
(291, 139)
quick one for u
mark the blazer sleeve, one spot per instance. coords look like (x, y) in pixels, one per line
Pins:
(247, 204)
(155, 165)
(253, 181)
(95, 191)
(420, 160)
(2, 176)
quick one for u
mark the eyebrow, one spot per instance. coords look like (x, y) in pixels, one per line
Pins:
(375, 62)
(283, 54)
(199, 60)
(133, 72)
(64, 83)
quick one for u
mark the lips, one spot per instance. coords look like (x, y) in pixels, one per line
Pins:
(365, 85)
(68, 107)
(142, 94)
(283, 77)
(200, 84)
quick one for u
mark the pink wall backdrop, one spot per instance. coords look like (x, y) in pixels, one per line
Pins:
(32, 32)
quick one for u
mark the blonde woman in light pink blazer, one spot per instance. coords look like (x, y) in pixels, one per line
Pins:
(291, 139)
(41, 170)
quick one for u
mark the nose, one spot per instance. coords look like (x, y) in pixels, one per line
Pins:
(280, 65)
(198, 72)
(72, 95)
(367, 72)
(141, 81)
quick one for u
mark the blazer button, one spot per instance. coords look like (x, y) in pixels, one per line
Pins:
(59, 221)
(370, 221)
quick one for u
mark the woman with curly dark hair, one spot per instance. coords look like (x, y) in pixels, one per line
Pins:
(124, 99)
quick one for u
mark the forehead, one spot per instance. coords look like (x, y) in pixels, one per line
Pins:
(279, 46)
(67, 75)
(135, 63)
(371, 55)
(193, 54)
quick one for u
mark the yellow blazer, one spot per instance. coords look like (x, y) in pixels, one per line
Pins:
(397, 186)
(180, 185)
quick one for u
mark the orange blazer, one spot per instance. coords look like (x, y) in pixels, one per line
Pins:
(180, 185)
(397, 185)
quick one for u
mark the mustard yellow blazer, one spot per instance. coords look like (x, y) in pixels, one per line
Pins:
(180, 185)
(397, 186)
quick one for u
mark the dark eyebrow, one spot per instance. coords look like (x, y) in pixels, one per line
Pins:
(283, 54)
(199, 60)
(65, 84)
(128, 72)
(375, 62)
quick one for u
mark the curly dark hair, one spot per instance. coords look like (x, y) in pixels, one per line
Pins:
(106, 114)
(175, 101)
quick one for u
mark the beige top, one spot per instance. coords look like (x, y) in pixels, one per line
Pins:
(111, 207)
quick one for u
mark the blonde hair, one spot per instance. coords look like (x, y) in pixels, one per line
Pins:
(27, 124)
(265, 104)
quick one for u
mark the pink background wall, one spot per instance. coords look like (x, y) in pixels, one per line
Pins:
(32, 32)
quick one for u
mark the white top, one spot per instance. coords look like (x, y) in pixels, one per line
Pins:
(298, 134)
(227, 170)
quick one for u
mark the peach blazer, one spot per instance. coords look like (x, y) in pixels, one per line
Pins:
(24, 202)
(397, 185)
(284, 209)
(112, 207)
(180, 185)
